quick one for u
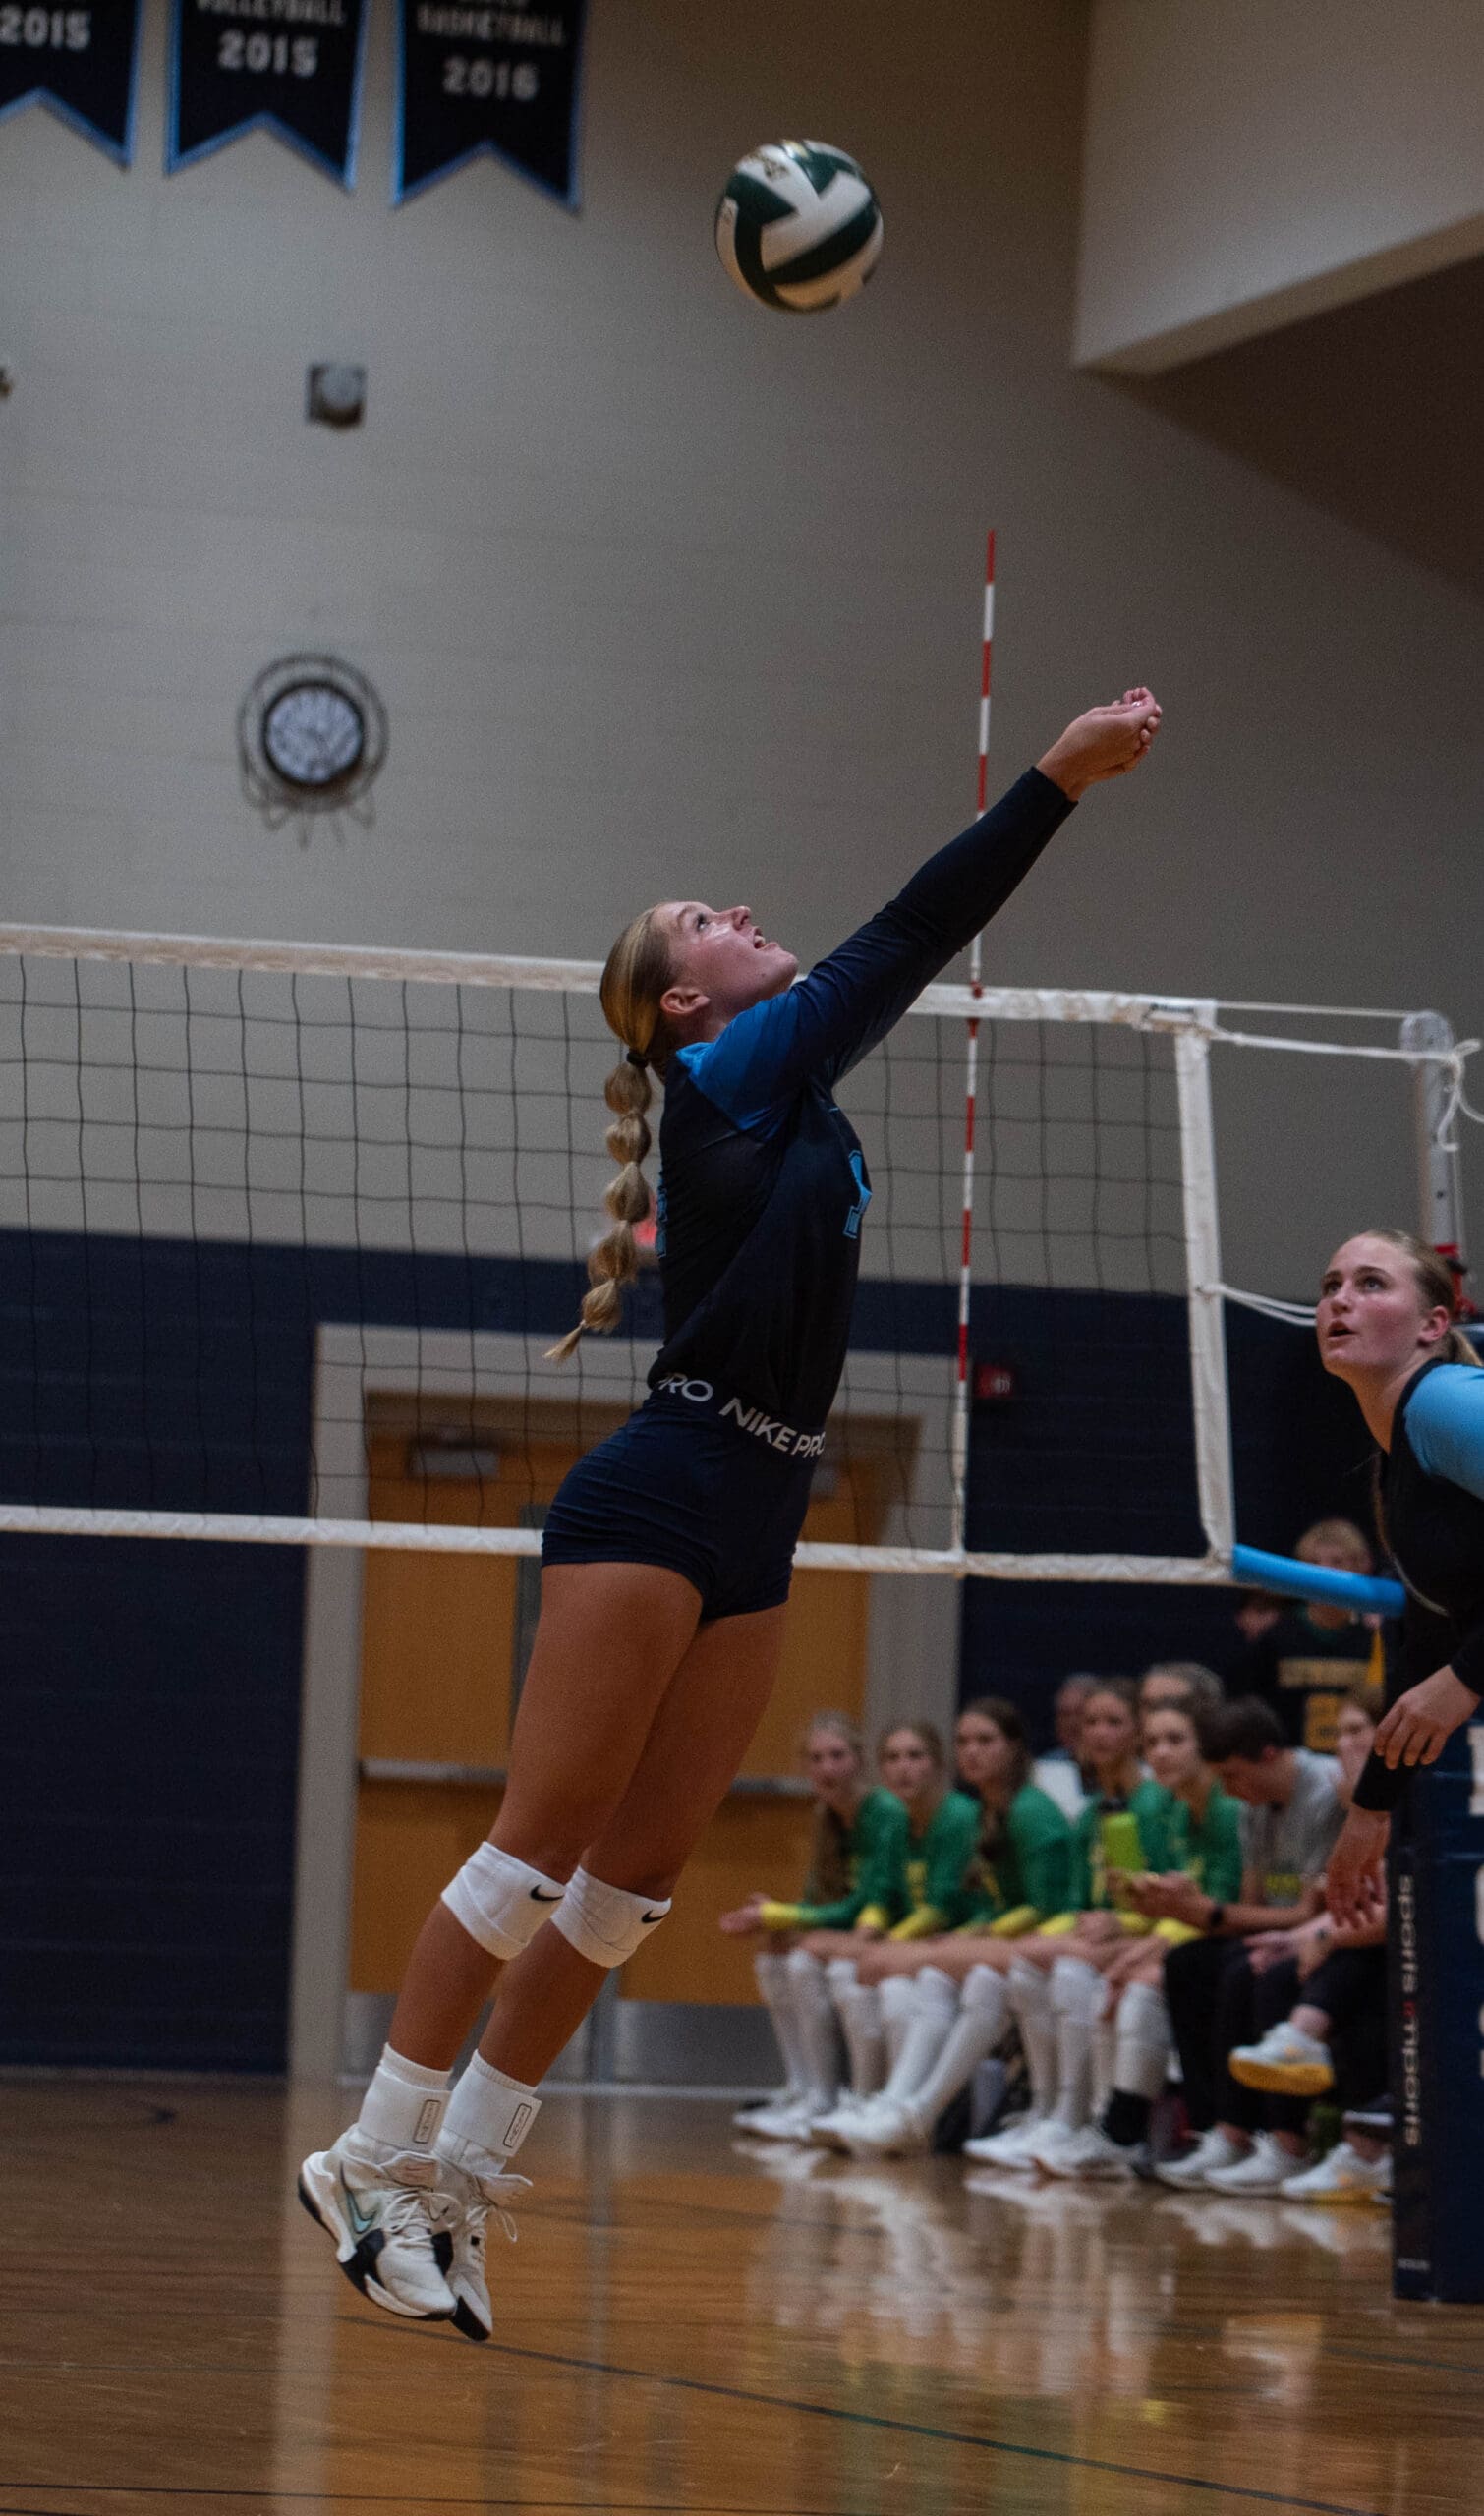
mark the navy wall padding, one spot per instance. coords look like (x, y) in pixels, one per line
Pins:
(1096, 1452)
(149, 1690)
(150, 1707)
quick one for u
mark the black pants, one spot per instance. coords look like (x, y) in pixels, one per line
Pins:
(1350, 1988)
(1216, 2001)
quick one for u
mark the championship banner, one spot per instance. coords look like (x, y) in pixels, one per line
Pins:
(82, 63)
(292, 66)
(1436, 1948)
(475, 79)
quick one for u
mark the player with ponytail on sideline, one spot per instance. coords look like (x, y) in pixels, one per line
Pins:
(668, 1552)
(1386, 1323)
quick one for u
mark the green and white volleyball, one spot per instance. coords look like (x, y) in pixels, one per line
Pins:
(798, 226)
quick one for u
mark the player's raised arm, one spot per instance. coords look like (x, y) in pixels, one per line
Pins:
(762, 1054)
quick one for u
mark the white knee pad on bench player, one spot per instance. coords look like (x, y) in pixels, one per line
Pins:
(501, 1901)
(606, 1924)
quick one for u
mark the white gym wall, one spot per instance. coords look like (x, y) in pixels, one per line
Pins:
(1254, 162)
(661, 590)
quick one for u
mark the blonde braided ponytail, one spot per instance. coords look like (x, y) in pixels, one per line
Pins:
(635, 976)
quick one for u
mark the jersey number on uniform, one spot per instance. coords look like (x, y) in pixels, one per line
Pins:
(853, 1219)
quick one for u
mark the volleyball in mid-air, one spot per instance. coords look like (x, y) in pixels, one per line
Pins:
(798, 226)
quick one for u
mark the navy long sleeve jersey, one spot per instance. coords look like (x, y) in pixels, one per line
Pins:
(1432, 1492)
(762, 1185)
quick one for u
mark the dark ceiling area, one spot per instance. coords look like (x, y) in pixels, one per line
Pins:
(1373, 410)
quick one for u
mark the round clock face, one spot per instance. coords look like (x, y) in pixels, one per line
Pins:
(314, 735)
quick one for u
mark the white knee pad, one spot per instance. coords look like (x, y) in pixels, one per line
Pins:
(839, 1973)
(606, 1924)
(1077, 1991)
(501, 1901)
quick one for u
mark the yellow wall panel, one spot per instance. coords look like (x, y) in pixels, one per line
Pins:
(749, 1844)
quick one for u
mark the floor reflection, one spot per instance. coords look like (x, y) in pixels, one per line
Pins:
(693, 2324)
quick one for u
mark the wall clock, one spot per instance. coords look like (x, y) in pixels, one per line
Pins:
(311, 738)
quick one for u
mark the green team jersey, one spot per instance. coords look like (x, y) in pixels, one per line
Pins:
(940, 1868)
(1089, 1870)
(1209, 1853)
(876, 1859)
(1033, 1863)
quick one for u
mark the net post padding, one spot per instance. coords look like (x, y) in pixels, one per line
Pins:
(1203, 1267)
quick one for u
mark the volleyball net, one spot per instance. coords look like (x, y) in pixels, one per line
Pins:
(286, 1231)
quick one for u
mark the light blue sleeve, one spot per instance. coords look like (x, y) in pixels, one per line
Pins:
(1444, 1424)
(755, 1067)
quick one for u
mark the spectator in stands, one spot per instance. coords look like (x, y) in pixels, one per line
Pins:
(1185, 1684)
(941, 1881)
(1333, 2035)
(1257, 1611)
(1328, 1981)
(1359, 2168)
(1193, 1835)
(1290, 1818)
(1054, 1975)
(1311, 1655)
(1355, 1736)
(939, 2002)
(935, 1891)
(942, 1831)
(1060, 1773)
(857, 1880)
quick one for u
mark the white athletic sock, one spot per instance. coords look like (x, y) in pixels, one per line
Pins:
(859, 2009)
(1077, 1999)
(404, 2105)
(1141, 2056)
(934, 2006)
(819, 2034)
(1031, 2001)
(984, 2014)
(896, 1995)
(489, 2116)
(1104, 2038)
(771, 1972)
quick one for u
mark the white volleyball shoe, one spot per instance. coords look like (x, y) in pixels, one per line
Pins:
(381, 2209)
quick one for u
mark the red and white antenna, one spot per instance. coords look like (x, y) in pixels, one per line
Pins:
(960, 1440)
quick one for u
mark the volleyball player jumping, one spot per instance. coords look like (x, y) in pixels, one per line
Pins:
(1385, 1323)
(668, 1553)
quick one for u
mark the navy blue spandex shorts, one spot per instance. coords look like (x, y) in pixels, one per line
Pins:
(700, 1483)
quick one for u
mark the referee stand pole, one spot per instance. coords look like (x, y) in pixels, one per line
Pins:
(1436, 1980)
(959, 1435)
(1436, 1935)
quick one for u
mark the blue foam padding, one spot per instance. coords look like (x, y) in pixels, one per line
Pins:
(1295, 1581)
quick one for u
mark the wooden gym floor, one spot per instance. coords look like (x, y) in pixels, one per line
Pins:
(687, 2327)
